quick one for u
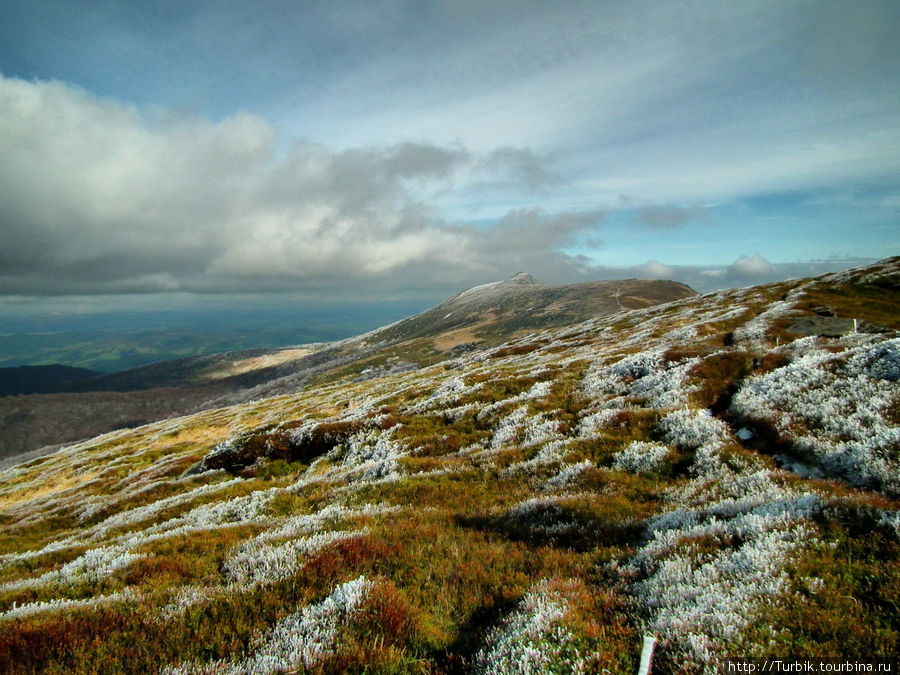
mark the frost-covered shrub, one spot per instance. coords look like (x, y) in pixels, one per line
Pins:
(754, 331)
(542, 517)
(539, 429)
(637, 366)
(53, 546)
(533, 639)
(700, 602)
(372, 456)
(328, 516)
(567, 475)
(26, 609)
(641, 457)
(645, 375)
(448, 393)
(704, 606)
(881, 362)
(594, 424)
(298, 641)
(185, 598)
(833, 409)
(538, 390)
(666, 386)
(508, 429)
(691, 429)
(891, 521)
(235, 511)
(92, 566)
(142, 513)
(371, 446)
(258, 562)
(551, 453)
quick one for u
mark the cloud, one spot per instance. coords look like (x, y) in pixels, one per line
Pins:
(522, 165)
(653, 269)
(100, 197)
(672, 217)
(754, 267)
(745, 271)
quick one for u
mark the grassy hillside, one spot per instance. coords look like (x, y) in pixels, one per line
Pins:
(695, 470)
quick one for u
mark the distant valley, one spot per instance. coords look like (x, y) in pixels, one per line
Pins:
(117, 340)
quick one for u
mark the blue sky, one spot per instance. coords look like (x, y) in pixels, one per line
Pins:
(339, 149)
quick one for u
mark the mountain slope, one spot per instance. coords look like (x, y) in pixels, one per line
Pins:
(487, 314)
(42, 379)
(497, 311)
(695, 469)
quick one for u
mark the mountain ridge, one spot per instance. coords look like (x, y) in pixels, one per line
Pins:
(141, 395)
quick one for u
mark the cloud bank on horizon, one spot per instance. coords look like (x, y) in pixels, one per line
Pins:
(334, 148)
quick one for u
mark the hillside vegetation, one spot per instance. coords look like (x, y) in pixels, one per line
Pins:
(72, 409)
(700, 470)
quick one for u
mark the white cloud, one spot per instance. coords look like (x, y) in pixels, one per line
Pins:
(752, 267)
(653, 269)
(97, 197)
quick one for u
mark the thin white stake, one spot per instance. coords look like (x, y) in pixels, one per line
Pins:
(646, 654)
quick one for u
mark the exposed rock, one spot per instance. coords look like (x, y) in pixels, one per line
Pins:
(285, 441)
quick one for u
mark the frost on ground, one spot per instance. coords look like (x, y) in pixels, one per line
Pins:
(701, 602)
(533, 639)
(297, 641)
(834, 410)
(641, 457)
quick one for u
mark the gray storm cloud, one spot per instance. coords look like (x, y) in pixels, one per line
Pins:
(98, 197)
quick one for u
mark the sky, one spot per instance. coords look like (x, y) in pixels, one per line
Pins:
(164, 151)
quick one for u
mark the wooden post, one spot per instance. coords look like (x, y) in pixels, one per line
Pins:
(646, 655)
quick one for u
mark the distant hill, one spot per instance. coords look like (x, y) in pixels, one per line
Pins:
(498, 310)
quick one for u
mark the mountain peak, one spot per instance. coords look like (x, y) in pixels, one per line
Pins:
(523, 279)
